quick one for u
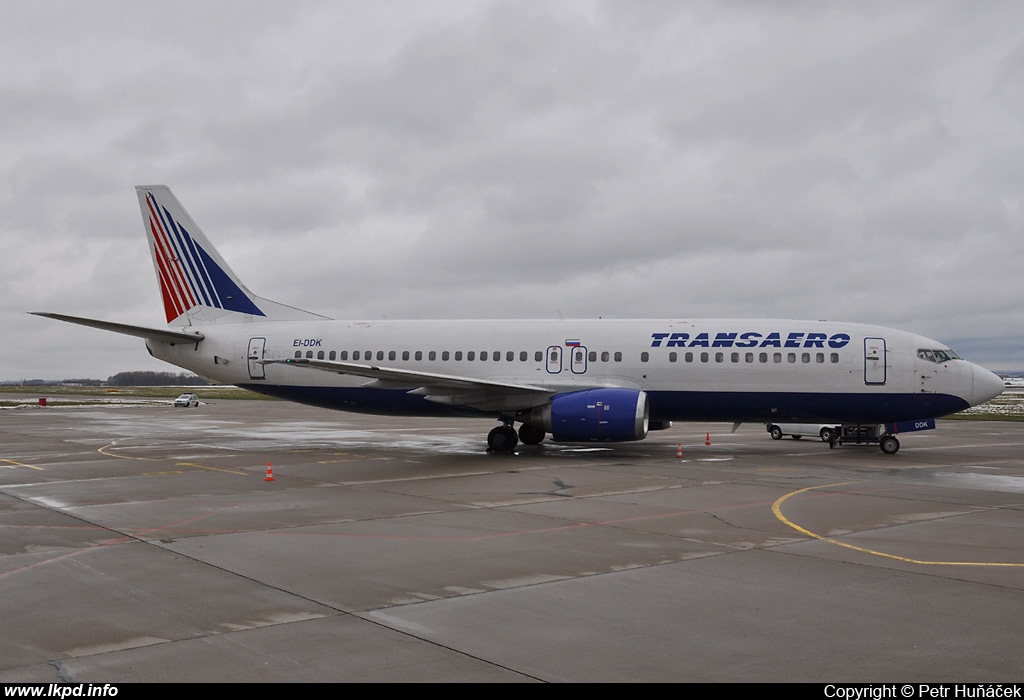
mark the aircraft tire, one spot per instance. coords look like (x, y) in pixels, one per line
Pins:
(502, 439)
(889, 444)
(530, 435)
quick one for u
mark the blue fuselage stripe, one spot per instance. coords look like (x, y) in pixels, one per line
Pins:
(665, 405)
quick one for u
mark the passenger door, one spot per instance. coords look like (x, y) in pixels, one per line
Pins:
(257, 346)
(874, 361)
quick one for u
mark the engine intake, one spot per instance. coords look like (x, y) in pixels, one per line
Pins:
(595, 415)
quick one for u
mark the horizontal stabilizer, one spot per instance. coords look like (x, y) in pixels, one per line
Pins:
(162, 335)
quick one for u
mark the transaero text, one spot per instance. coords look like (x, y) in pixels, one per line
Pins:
(750, 339)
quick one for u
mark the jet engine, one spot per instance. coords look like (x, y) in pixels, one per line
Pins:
(594, 415)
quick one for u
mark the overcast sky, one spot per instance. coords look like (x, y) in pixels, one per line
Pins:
(858, 161)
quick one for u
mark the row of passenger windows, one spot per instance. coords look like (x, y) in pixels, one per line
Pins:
(805, 358)
(445, 355)
(606, 356)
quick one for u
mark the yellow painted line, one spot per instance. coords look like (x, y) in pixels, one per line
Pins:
(156, 459)
(212, 469)
(777, 510)
(19, 464)
(111, 454)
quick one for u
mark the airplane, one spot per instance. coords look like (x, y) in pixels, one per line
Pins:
(578, 381)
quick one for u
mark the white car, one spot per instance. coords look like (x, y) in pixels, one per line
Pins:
(798, 430)
(186, 400)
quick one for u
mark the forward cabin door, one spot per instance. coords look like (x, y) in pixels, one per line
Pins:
(874, 361)
(255, 354)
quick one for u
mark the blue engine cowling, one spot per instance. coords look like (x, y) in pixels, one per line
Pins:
(595, 415)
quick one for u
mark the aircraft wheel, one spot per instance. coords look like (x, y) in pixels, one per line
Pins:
(889, 444)
(530, 435)
(502, 439)
(776, 432)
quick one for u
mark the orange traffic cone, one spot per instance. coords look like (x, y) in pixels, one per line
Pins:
(679, 451)
(270, 473)
(707, 438)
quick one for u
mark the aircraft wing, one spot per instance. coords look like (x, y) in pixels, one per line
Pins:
(164, 335)
(483, 394)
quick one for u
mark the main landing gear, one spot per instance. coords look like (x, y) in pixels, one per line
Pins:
(504, 438)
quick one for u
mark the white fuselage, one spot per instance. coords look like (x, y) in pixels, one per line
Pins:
(737, 370)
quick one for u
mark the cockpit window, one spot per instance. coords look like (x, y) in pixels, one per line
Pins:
(937, 355)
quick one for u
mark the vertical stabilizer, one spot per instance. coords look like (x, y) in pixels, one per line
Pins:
(196, 284)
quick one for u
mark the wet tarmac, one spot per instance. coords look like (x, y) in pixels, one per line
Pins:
(145, 543)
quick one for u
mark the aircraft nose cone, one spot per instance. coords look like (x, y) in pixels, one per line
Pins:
(987, 386)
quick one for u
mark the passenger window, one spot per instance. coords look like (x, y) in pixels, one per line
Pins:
(672, 357)
(343, 355)
(644, 356)
(298, 353)
(320, 355)
(391, 355)
(605, 356)
(688, 357)
(593, 356)
(470, 356)
(618, 356)
(458, 355)
(538, 356)
(523, 356)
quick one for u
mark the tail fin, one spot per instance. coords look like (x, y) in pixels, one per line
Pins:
(196, 284)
